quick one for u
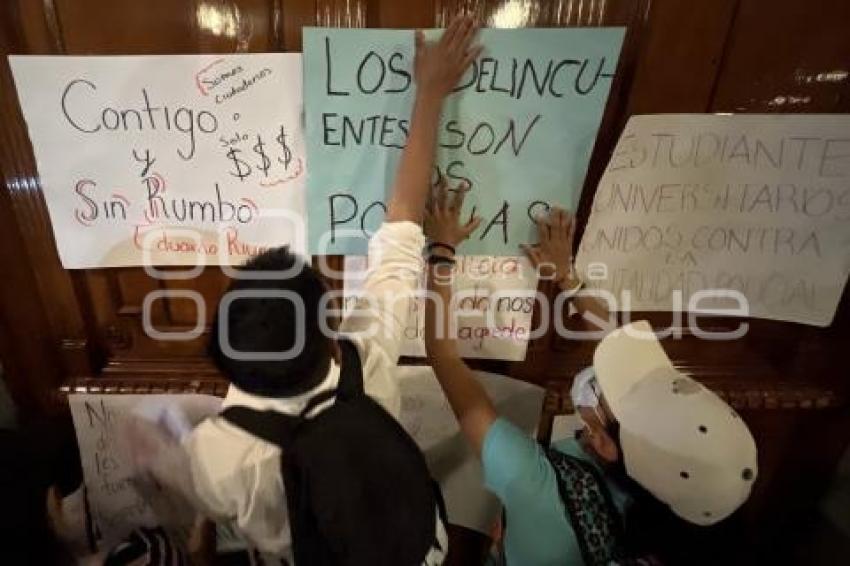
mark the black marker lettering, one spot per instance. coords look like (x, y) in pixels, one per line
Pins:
(533, 209)
(132, 112)
(330, 91)
(453, 174)
(222, 204)
(500, 219)
(80, 190)
(596, 76)
(105, 116)
(372, 122)
(332, 204)
(486, 147)
(379, 82)
(451, 127)
(388, 130)
(65, 105)
(205, 113)
(539, 86)
(557, 68)
(493, 85)
(348, 127)
(149, 110)
(485, 71)
(398, 71)
(369, 208)
(473, 74)
(511, 133)
(326, 129)
(186, 130)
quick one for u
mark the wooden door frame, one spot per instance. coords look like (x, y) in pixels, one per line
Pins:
(44, 336)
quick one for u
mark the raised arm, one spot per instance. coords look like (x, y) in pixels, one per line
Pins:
(378, 319)
(438, 67)
(471, 404)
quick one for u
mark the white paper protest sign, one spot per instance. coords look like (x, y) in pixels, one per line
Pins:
(167, 159)
(495, 298)
(118, 499)
(754, 204)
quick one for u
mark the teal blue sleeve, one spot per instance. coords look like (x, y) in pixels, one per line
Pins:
(510, 458)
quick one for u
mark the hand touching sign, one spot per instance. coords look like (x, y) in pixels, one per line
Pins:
(442, 219)
(439, 65)
(553, 254)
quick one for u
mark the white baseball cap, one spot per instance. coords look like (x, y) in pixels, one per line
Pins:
(680, 441)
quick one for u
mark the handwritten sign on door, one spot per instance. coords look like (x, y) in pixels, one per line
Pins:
(174, 160)
(494, 301)
(755, 204)
(519, 128)
(118, 503)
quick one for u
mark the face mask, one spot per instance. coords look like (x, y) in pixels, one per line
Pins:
(585, 393)
(584, 390)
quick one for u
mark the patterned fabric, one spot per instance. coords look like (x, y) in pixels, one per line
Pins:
(592, 514)
(148, 547)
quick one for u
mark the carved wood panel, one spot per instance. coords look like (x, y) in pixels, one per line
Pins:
(84, 327)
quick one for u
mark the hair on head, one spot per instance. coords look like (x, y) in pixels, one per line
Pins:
(272, 324)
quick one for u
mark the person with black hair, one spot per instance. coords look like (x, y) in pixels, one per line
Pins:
(46, 519)
(270, 340)
(39, 465)
(658, 451)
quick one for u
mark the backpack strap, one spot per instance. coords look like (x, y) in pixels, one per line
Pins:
(267, 424)
(590, 509)
(350, 385)
(351, 371)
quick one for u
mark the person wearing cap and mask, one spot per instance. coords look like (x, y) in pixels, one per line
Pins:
(652, 436)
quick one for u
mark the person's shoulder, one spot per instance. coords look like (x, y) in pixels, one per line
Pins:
(510, 456)
(222, 450)
(228, 465)
(504, 431)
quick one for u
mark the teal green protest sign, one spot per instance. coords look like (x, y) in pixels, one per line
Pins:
(519, 127)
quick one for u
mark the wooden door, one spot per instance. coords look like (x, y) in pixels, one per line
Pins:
(95, 315)
(790, 382)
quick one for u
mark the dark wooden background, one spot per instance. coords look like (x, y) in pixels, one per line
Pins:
(83, 328)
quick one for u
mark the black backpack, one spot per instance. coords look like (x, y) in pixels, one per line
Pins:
(358, 489)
